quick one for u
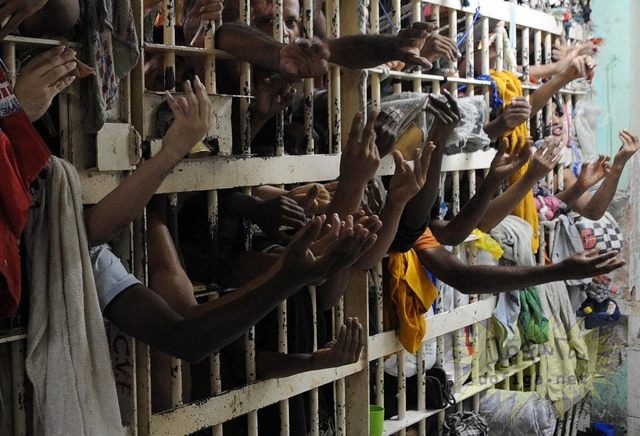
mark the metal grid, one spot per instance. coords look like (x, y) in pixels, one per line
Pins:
(132, 359)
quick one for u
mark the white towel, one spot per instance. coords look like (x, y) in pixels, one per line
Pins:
(514, 235)
(67, 353)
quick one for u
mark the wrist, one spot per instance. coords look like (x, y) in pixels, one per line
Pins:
(168, 156)
(394, 203)
(618, 164)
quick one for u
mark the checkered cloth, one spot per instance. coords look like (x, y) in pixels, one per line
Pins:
(465, 424)
(603, 234)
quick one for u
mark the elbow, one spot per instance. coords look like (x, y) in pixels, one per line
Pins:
(99, 236)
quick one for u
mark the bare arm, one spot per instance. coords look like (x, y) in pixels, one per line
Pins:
(594, 207)
(447, 116)
(543, 161)
(516, 112)
(454, 232)
(404, 185)
(483, 279)
(303, 58)
(144, 314)
(576, 189)
(345, 350)
(367, 51)
(122, 205)
(358, 164)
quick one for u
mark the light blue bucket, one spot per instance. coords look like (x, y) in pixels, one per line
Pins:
(603, 429)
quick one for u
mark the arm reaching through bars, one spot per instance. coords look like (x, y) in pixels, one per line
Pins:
(122, 205)
(195, 333)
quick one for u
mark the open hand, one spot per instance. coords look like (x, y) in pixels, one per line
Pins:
(628, 148)
(386, 128)
(447, 116)
(43, 78)
(344, 350)
(593, 172)
(589, 263)
(192, 114)
(545, 158)
(273, 95)
(201, 11)
(304, 58)
(301, 266)
(360, 160)
(516, 112)
(505, 164)
(405, 183)
(439, 46)
(409, 42)
(581, 66)
(273, 213)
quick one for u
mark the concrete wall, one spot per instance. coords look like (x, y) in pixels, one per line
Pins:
(619, 97)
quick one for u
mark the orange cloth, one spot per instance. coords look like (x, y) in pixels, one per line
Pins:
(509, 86)
(411, 293)
(427, 240)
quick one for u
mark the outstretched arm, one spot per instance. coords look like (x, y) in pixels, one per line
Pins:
(595, 206)
(404, 184)
(484, 279)
(122, 205)
(415, 216)
(358, 164)
(345, 350)
(300, 59)
(517, 113)
(591, 173)
(454, 232)
(142, 313)
(367, 51)
(543, 161)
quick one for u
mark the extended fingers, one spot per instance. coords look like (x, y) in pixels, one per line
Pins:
(368, 132)
(425, 159)
(204, 105)
(356, 126)
(354, 329)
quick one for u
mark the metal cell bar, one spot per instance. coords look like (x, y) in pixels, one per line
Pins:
(278, 35)
(470, 50)
(484, 22)
(214, 360)
(537, 47)
(307, 32)
(335, 127)
(402, 389)
(245, 87)
(18, 388)
(380, 326)
(525, 54)
(314, 403)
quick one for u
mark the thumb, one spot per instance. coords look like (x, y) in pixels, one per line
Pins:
(310, 197)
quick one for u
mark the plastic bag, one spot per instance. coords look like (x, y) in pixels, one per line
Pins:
(584, 126)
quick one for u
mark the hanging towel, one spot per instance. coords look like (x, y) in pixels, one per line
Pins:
(559, 367)
(67, 357)
(411, 293)
(109, 45)
(23, 154)
(509, 86)
(534, 325)
(505, 324)
(514, 235)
